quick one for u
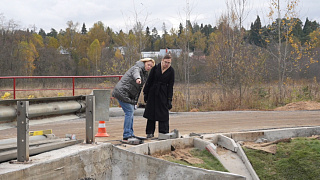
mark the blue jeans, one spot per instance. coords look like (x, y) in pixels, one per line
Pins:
(128, 119)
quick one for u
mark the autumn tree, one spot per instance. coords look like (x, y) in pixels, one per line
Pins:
(117, 65)
(94, 54)
(27, 54)
(282, 46)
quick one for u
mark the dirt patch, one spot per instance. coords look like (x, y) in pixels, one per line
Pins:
(182, 155)
(302, 105)
(269, 149)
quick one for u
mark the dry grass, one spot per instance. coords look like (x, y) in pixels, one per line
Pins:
(210, 97)
(203, 97)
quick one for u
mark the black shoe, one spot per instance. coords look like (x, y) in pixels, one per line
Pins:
(138, 137)
(150, 136)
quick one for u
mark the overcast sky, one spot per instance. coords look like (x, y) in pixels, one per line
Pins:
(120, 14)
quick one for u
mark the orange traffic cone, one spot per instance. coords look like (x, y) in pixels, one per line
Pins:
(102, 132)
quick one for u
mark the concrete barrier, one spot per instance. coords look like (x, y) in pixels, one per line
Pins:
(275, 134)
(129, 165)
(104, 161)
(74, 162)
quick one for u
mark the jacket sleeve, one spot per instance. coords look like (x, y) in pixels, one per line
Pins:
(136, 73)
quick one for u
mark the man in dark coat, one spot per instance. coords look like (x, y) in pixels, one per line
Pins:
(158, 92)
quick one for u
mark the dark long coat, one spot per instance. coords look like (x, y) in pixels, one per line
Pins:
(158, 89)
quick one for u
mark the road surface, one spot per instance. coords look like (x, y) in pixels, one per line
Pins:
(186, 123)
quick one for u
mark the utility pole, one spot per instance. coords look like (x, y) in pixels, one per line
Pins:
(279, 51)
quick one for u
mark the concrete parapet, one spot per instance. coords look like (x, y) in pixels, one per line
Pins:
(227, 143)
(247, 163)
(137, 166)
(200, 143)
(160, 147)
(74, 162)
(182, 143)
(276, 134)
(140, 149)
(247, 136)
(212, 137)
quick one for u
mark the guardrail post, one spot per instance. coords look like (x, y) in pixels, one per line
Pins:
(90, 119)
(22, 131)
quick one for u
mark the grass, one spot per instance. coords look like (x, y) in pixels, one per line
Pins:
(297, 160)
(209, 161)
(203, 97)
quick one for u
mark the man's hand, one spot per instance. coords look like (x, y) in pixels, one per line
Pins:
(169, 104)
(138, 81)
(145, 98)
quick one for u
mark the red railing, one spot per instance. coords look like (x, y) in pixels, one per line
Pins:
(54, 77)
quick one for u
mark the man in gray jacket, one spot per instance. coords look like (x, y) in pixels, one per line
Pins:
(128, 89)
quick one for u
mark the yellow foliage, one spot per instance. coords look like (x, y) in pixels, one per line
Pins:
(118, 55)
(6, 95)
(37, 40)
(53, 42)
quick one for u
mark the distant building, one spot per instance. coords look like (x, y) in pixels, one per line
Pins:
(151, 54)
(121, 48)
(163, 52)
(155, 54)
(63, 50)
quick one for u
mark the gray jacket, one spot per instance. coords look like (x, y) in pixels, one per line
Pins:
(127, 90)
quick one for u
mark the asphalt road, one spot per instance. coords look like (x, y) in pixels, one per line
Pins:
(186, 123)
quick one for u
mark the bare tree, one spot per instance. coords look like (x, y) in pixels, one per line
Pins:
(281, 48)
(136, 39)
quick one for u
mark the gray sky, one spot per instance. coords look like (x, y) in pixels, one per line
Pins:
(121, 14)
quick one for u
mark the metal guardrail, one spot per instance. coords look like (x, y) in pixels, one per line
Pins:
(42, 106)
(24, 109)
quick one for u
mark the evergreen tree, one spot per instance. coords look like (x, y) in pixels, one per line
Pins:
(149, 40)
(255, 36)
(180, 30)
(297, 29)
(308, 28)
(164, 36)
(84, 29)
(42, 33)
(53, 33)
(155, 36)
